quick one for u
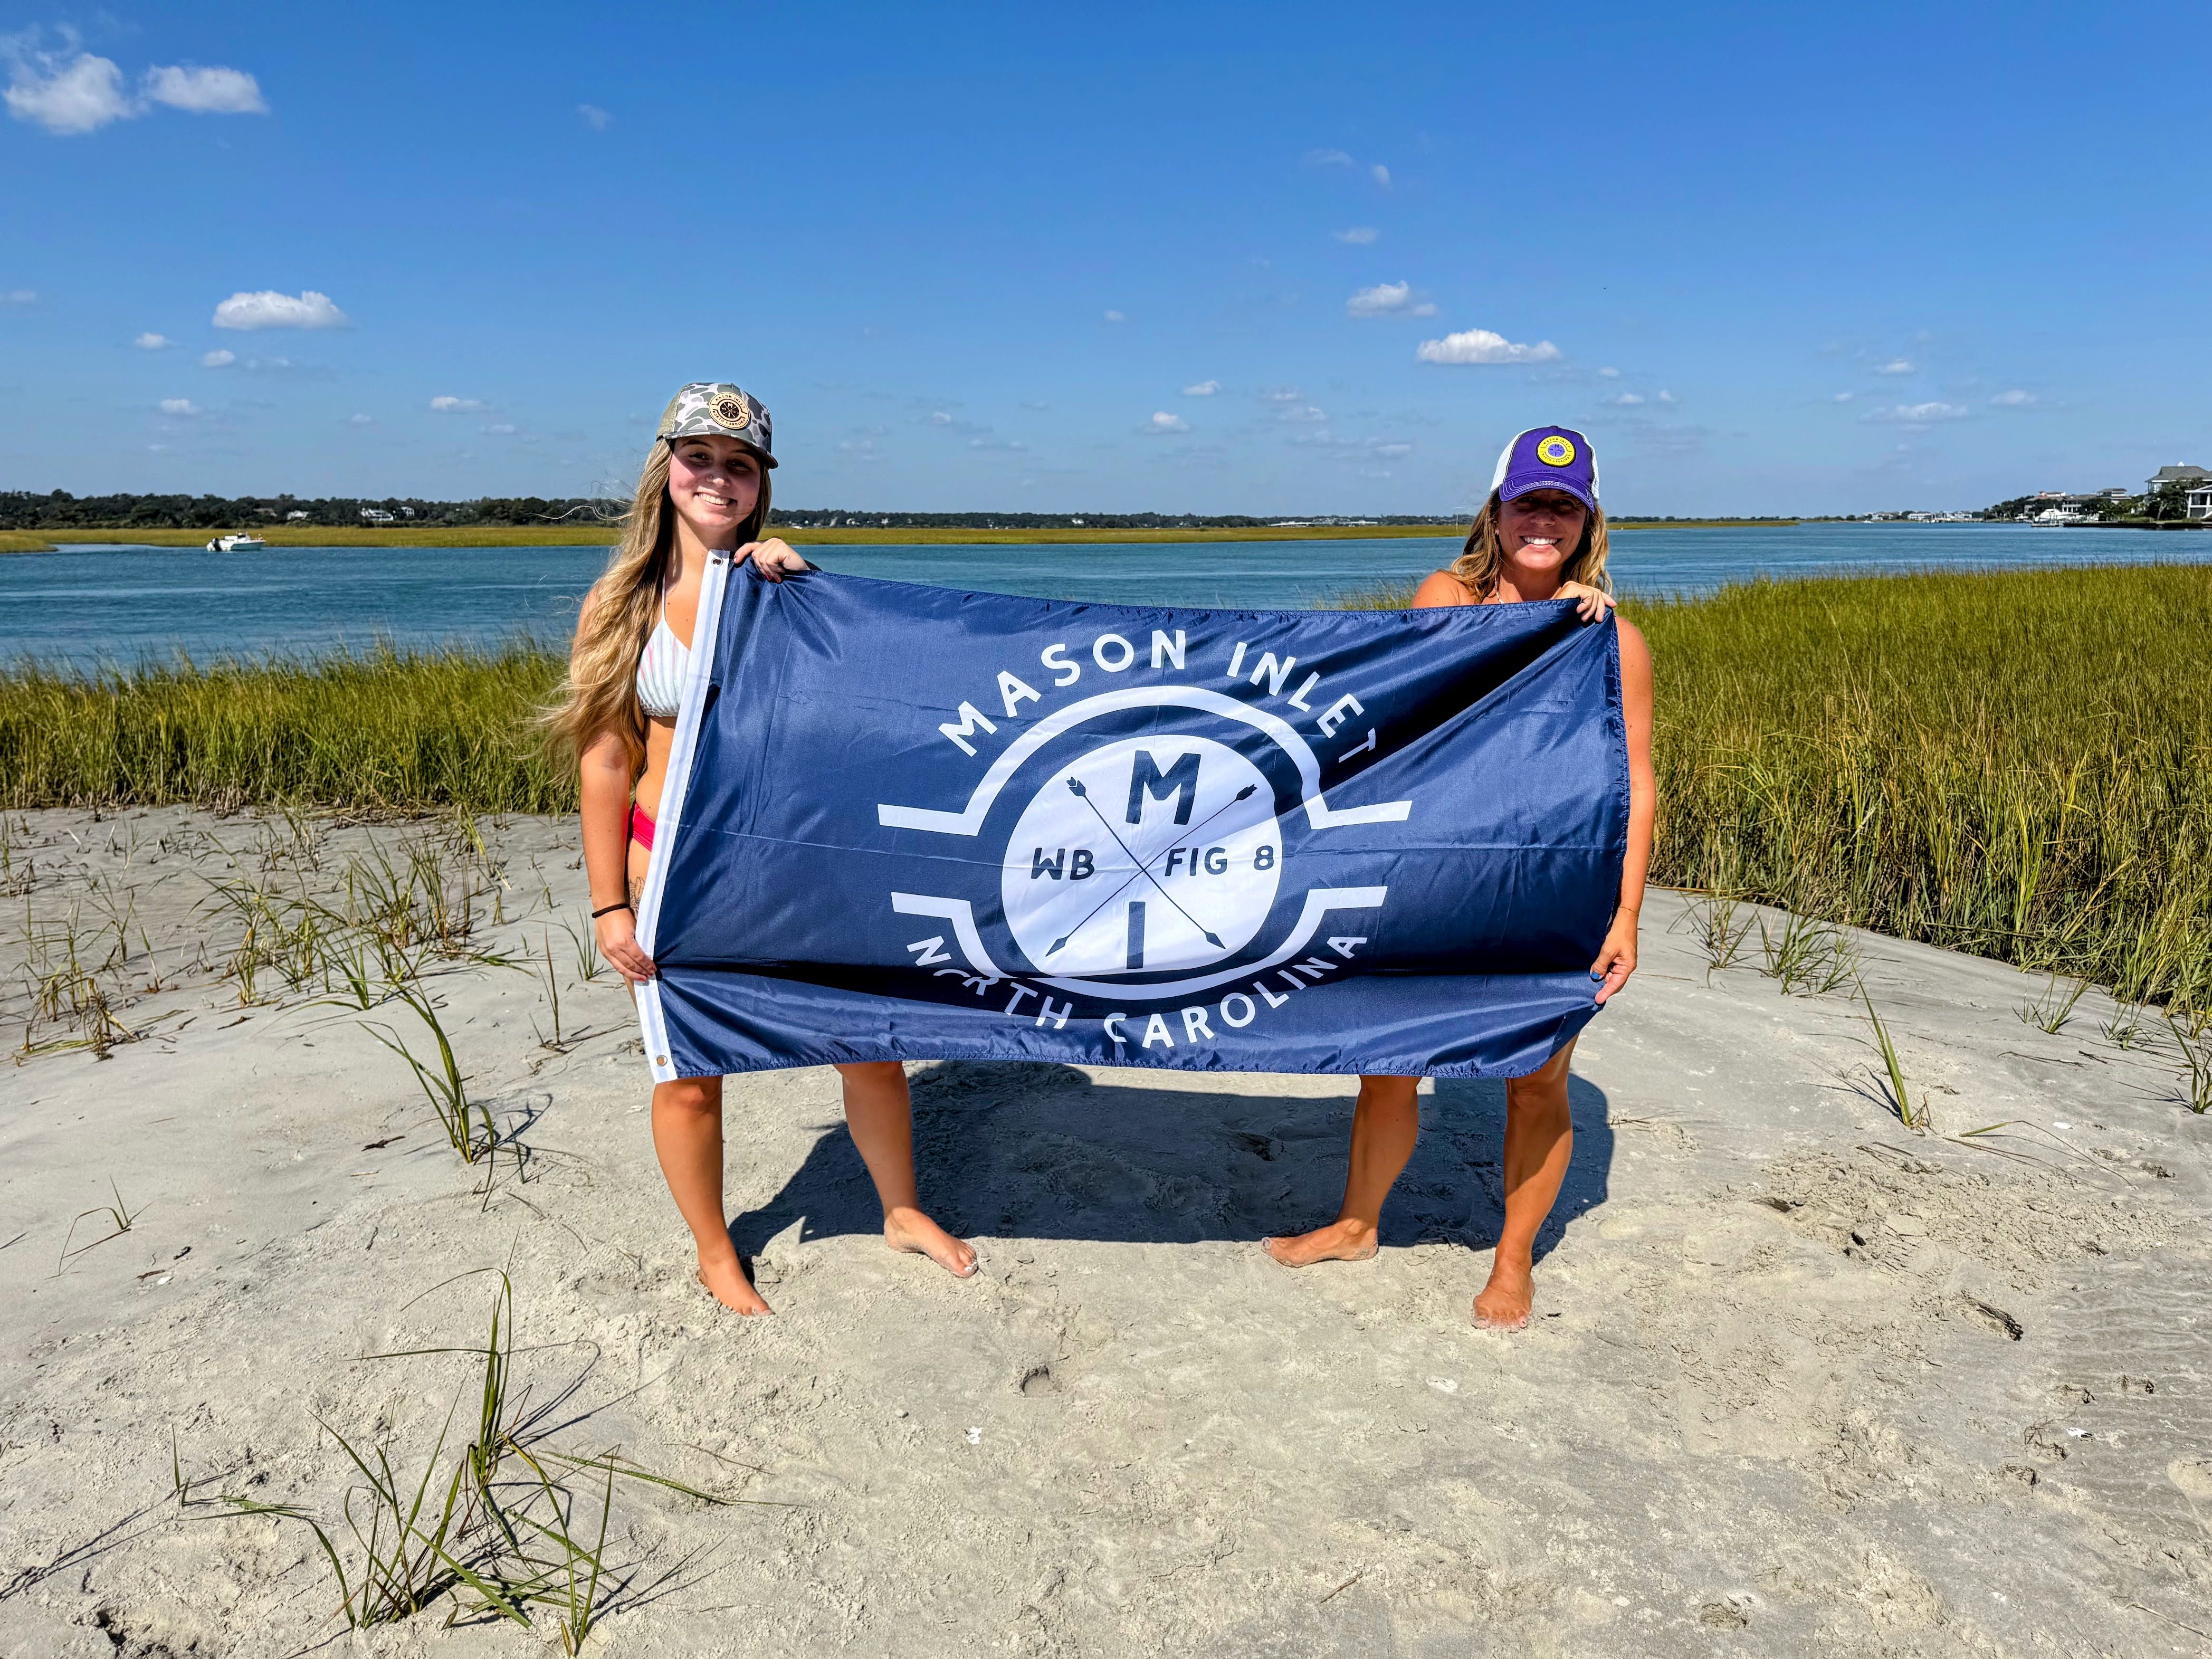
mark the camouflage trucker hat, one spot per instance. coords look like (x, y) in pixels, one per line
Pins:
(716, 408)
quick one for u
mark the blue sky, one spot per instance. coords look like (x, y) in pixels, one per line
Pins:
(1773, 259)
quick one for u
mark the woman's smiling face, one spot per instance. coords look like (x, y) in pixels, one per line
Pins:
(1543, 527)
(713, 483)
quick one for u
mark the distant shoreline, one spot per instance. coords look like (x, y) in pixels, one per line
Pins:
(32, 541)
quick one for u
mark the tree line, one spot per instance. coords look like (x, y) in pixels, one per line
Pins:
(24, 509)
(57, 509)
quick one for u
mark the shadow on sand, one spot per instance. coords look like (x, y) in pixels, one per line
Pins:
(1039, 1150)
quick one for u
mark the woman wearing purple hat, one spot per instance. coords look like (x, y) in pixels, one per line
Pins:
(1539, 536)
(705, 489)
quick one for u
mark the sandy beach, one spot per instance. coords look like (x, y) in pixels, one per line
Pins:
(1801, 1382)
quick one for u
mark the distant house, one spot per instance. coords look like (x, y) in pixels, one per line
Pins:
(2198, 503)
(295, 517)
(374, 515)
(2194, 477)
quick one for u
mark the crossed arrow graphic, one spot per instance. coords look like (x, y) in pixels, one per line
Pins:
(1144, 866)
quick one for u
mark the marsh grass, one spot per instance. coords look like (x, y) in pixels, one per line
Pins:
(1807, 957)
(590, 964)
(1721, 934)
(2050, 1011)
(503, 1528)
(121, 1218)
(1918, 1118)
(2016, 764)
(551, 979)
(66, 972)
(390, 731)
(2195, 1049)
(469, 1127)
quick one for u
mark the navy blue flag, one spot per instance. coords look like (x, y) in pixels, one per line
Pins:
(907, 823)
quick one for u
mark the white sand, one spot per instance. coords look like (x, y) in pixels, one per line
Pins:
(1801, 1382)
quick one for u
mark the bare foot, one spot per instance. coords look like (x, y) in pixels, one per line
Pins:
(911, 1230)
(1340, 1240)
(728, 1283)
(1504, 1303)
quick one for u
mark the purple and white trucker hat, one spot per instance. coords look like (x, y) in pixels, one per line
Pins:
(1547, 457)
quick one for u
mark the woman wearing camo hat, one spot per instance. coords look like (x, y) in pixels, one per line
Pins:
(705, 487)
(1539, 536)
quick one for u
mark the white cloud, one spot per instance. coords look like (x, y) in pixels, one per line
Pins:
(269, 309)
(1917, 414)
(1305, 413)
(1843, 396)
(205, 91)
(1388, 299)
(1895, 366)
(594, 118)
(179, 406)
(1608, 373)
(217, 359)
(2013, 400)
(1164, 421)
(502, 428)
(456, 406)
(84, 92)
(20, 296)
(1479, 345)
(150, 341)
(1666, 396)
(1115, 317)
(941, 417)
(1392, 451)
(1203, 389)
(1359, 236)
(360, 420)
(1626, 400)
(1327, 158)
(1381, 174)
(76, 96)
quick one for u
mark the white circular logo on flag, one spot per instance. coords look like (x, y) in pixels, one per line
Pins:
(1152, 853)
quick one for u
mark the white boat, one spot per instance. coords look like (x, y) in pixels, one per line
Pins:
(239, 543)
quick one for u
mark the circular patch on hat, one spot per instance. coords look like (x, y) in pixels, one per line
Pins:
(731, 410)
(1556, 451)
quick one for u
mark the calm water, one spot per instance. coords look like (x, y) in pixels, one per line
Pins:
(119, 605)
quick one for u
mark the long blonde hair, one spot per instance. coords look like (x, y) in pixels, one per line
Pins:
(1484, 556)
(600, 693)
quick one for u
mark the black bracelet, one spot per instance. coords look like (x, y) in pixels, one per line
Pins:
(623, 905)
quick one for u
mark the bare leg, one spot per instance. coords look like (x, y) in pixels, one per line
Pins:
(1539, 1139)
(687, 1133)
(1384, 1127)
(879, 1112)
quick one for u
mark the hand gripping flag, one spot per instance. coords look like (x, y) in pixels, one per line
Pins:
(907, 823)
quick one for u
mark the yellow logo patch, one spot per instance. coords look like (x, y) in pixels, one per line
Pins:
(732, 411)
(1555, 450)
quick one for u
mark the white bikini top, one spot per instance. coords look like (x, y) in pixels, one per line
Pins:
(662, 668)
